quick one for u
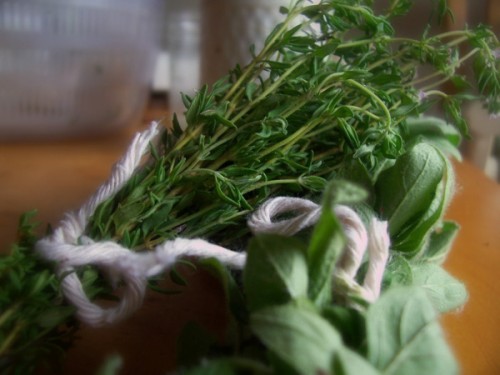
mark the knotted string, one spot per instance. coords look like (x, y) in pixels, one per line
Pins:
(69, 248)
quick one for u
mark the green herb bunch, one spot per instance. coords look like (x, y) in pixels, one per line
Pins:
(36, 326)
(335, 91)
(293, 316)
(334, 94)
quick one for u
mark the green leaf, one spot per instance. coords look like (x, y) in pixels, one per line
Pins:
(349, 362)
(406, 190)
(250, 90)
(412, 238)
(297, 335)
(324, 250)
(176, 126)
(125, 214)
(197, 106)
(177, 277)
(354, 171)
(415, 236)
(404, 336)
(440, 242)
(349, 133)
(444, 291)
(327, 239)
(452, 108)
(275, 272)
(397, 272)
(313, 183)
(159, 216)
(343, 192)
(434, 131)
(349, 322)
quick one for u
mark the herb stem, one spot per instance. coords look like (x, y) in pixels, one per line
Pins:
(291, 139)
(269, 183)
(9, 340)
(185, 219)
(250, 68)
(438, 73)
(364, 111)
(436, 92)
(270, 89)
(8, 313)
(372, 95)
(453, 33)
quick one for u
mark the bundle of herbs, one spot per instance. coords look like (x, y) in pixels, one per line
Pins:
(334, 96)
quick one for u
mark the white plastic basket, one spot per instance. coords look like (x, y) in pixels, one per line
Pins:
(71, 67)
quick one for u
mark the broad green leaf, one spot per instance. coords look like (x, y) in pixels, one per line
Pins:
(349, 322)
(397, 272)
(298, 335)
(275, 272)
(406, 190)
(404, 336)
(440, 242)
(356, 172)
(343, 192)
(327, 240)
(415, 236)
(411, 239)
(444, 291)
(434, 131)
(349, 362)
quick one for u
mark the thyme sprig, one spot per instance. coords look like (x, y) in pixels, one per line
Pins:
(310, 102)
(36, 326)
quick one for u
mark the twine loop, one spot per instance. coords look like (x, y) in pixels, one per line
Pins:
(69, 248)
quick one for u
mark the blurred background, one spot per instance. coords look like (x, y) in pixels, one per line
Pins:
(80, 68)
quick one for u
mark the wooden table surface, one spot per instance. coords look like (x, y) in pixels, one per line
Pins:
(56, 176)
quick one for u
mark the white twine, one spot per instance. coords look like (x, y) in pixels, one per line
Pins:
(69, 248)
(306, 213)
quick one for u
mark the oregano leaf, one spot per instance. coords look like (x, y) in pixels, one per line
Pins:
(406, 190)
(440, 242)
(444, 291)
(404, 336)
(298, 335)
(275, 272)
(327, 240)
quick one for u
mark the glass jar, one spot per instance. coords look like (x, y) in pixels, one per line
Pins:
(183, 38)
(230, 27)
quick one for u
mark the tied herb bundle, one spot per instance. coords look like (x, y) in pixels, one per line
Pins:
(334, 94)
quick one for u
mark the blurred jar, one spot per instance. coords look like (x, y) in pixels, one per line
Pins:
(230, 27)
(183, 39)
(79, 67)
